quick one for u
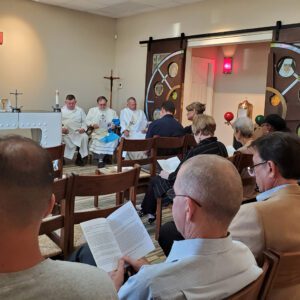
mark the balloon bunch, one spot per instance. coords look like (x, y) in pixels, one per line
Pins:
(228, 116)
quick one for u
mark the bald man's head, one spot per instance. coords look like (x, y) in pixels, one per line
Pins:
(26, 180)
(214, 183)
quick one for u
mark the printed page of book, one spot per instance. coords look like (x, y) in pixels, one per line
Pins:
(103, 244)
(169, 165)
(130, 232)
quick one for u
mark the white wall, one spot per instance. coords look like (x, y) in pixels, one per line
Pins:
(204, 17)
(47, 48)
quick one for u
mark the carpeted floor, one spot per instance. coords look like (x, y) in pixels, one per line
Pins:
(81, 203)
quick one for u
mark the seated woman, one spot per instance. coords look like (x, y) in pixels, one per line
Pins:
(203, 127)
(193, 109)
(243, 132)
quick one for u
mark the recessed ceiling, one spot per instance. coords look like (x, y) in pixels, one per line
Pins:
(117, 8)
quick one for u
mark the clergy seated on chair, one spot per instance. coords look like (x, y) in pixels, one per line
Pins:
(133, 126)
(208, 264)
(26, 183)
(204, 127)
(73, 130)
(101, 119)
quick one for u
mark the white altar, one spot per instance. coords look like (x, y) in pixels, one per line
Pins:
(48, 122)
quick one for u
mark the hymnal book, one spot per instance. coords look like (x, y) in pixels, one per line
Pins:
(121, 233)
(169, 165)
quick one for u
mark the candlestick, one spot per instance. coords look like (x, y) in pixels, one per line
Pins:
(57, 97)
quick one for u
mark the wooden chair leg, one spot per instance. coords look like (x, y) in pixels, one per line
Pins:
(96, 201)
(158, 217)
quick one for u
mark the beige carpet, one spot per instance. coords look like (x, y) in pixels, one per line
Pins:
(81, 203)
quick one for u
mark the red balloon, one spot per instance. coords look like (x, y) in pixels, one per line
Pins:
(228, 116)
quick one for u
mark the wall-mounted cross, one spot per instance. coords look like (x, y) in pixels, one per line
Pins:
(111, 78)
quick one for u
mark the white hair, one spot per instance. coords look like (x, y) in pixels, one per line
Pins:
(244, 125)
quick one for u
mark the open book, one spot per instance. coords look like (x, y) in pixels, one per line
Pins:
(121, 233)
(169, 165)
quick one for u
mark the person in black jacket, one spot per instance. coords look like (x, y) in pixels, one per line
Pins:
(203, 128)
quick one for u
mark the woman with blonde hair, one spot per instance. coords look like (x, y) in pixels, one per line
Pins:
(193, 109)
(203, 127)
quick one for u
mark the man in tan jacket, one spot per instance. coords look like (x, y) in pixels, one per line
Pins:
(273, 221)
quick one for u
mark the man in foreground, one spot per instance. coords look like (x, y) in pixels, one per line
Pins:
(26, 181)
(272, 221)
(207, 264)
(73, 130)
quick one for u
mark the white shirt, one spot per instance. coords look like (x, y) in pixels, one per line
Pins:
(195, 269)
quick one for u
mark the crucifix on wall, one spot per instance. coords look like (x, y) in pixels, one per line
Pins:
(111, 78)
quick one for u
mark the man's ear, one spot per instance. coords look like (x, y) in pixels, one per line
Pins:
(190, 208)
(50, 206)
(273, 170)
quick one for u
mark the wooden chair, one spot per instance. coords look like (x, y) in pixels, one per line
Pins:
(104, 184)
(189, 143)
(57, 154)
(284, 272)
(59, 219)
(252, 290)
(241, 161)
(169, 143)
(147, 145)
(167, 147)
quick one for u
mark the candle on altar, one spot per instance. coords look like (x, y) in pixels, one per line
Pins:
(56, 97)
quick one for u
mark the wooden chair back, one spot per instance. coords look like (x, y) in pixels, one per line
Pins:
(146, 145)
(284, 272)
(104, 184)
(252, 290)
(167, 147)
(241, 161)
(59, 219)
(57, 154)
(189, 143)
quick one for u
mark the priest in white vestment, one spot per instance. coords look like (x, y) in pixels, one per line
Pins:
(133, 126)
(101, 119)
(73, 130)
(133, 120)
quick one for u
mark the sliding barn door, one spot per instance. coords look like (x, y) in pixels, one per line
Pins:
(165, 74)
(283, 79)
